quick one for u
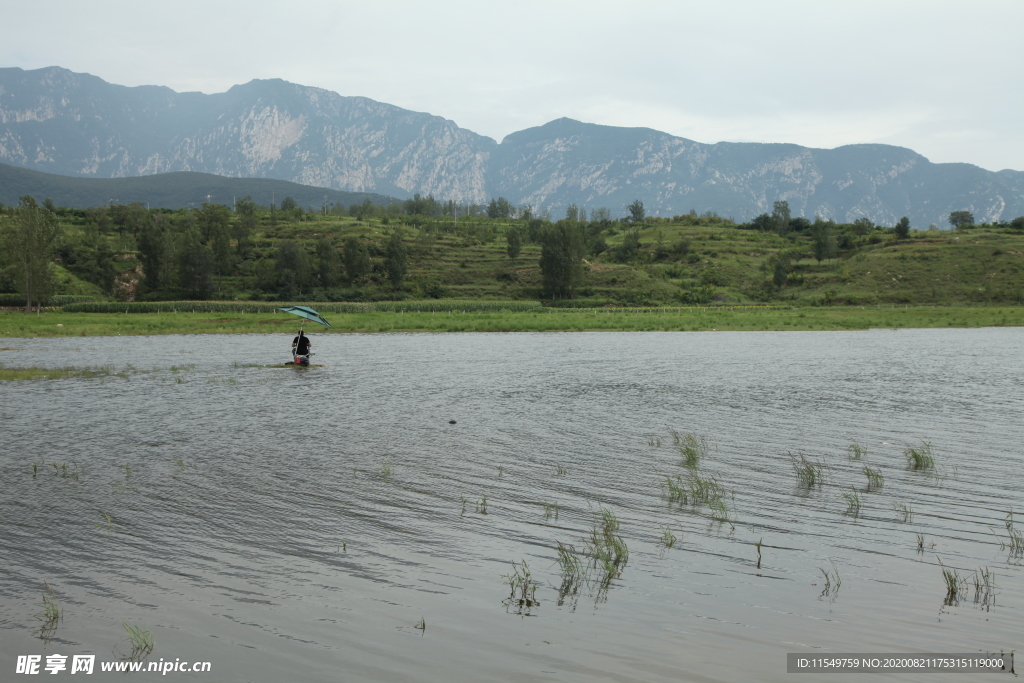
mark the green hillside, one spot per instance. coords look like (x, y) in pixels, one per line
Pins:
(392, 253)
(167, 190)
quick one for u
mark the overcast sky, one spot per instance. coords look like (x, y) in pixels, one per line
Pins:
(944, 78)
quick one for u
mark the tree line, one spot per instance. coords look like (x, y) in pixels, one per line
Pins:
(188, 253)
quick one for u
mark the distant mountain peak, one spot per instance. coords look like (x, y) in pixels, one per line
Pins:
(59, 121)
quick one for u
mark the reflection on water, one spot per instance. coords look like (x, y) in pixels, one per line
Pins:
(367, 520)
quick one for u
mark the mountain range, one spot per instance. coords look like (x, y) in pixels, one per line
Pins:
(58, 121)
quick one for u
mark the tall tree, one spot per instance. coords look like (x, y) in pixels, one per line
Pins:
(637, 213)
(780, 217)
(396, 261)
(155, 253)
(500, 208)
(961, 219)
(293, 269)
(561, 259)
(572, 213)
(244, 226)
(195, 266)
(328, 262)
(514, 242)
(29, 239)
(824, 235)
(903, 228)
(357, 259)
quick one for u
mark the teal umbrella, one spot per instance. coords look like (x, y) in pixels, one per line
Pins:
(305, 312)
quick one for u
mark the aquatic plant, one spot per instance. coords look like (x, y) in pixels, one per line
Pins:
(668, 539)
(692, 447)
(956, 585)
(875, 478)
(904, 513)
(522, 589)
(919, 457)
(808, 473)
(654, 441)
(758, 546)
(51, 614)
(920, 543)
(832, 580)
(852, 503)
(481, 505)
(607, 550)
(856, 451)
(501, 470)
(1015, 543)
(550, 510)
(140, 643)
(107, 522)
(984, 587)
(561, 470)
(569, 561)
(387, 468)
(421, 625)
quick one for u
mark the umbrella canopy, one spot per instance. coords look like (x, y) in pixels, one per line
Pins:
(305, 312)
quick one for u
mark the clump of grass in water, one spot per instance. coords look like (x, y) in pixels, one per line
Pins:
(421, 625)
(523, 589)
(481, 506)
(758, 546)
(1015, 544)
(832, 580)
(875, 478)
(387, 468)
(140, 642)
(692, 447)
(808, 473)
(561, 470)
(550, 510)
(919, 458)
(856, 451)
(852, 503)
(51, 614)
(668, 539)
(984, 588)
(605, 546)
(904, 513)
(956, 585)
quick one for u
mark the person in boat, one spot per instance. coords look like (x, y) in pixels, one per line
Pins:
(301, 345)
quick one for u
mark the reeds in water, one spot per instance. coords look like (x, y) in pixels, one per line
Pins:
(605, 546)
(140, 643)
(956, 585)
(550, 510)
(875, 478)
(387, 468)
(1015, 543)
(668, 539)
(51, 614)
(904, 513)
(832, 580)
(692, 447)
(856, 451)
(919, 458)
(808, 473)
(984, 588)
(522, 589)
(852, 503)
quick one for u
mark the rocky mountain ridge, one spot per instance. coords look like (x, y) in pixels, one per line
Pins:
(58, 121)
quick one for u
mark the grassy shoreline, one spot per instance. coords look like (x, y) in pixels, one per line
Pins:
(61, 324)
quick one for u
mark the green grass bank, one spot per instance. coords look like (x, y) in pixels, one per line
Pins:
(58, 323)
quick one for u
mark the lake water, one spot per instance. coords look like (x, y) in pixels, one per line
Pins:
(288, 524)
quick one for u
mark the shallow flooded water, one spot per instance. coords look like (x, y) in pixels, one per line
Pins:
(303, 524)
